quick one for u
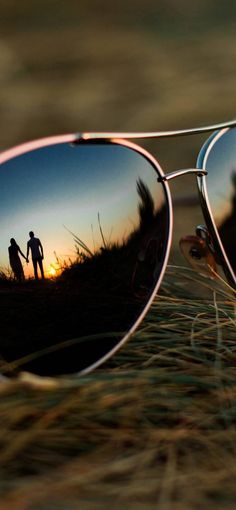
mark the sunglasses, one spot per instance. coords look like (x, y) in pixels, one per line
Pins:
(86, 228)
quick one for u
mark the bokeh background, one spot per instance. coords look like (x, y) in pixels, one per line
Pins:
(130, 65)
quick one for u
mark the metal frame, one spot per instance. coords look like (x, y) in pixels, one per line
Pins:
(118, 137)
(199, 171)
(72, 138)
(154, 134)
(206, 207)
(161, 178)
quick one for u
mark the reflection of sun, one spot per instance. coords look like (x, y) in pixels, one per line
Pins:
(52, 271)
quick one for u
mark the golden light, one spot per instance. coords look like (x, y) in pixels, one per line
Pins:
(52, 271)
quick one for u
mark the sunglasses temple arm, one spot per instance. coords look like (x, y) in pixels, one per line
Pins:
(155, 134)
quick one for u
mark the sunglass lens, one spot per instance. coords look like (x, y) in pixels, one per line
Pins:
(220, 162)
(100, 219)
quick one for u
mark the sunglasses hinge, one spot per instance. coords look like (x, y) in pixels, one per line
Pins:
(178, 173)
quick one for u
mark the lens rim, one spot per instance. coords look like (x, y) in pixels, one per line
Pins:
(206, 206)
(160, 175)
(19, 150)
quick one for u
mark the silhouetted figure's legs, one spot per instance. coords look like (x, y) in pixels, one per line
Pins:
(35, 264)
(40, 263)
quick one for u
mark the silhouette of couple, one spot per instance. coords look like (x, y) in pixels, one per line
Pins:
(34, 245)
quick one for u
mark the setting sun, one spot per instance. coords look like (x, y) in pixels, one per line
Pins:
(52, 271)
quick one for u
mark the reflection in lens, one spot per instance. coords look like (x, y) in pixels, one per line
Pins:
(221, 188)
(93, 222)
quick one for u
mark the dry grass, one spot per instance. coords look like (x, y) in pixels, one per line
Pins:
(155, 427)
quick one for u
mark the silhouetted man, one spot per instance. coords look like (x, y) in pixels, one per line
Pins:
(36, 248)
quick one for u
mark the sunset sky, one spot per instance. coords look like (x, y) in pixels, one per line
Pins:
(64, 187)
(221, 164)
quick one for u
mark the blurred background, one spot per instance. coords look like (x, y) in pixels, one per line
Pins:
(72, 65)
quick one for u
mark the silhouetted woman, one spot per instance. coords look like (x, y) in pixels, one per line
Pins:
(15, 261)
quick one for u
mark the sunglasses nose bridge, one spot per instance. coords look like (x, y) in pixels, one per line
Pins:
(185, 171)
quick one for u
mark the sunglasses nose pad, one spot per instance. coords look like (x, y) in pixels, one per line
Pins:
(198, 254)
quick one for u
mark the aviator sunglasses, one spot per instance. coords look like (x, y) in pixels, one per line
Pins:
(86, 228)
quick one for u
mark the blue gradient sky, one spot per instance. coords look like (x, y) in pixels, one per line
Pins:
(65, 187)
(221, 164)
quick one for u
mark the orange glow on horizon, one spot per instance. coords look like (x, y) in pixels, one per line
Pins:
(51, 272)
